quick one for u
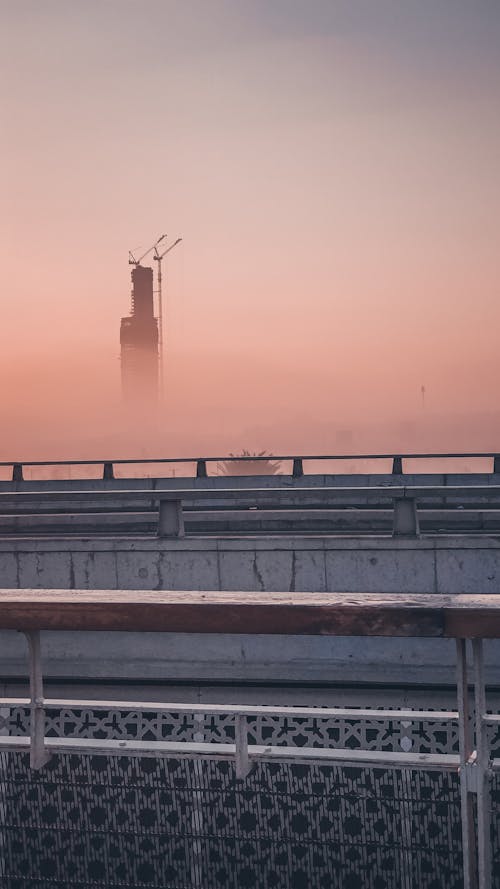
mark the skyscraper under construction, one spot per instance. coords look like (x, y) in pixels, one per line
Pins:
(139, 342)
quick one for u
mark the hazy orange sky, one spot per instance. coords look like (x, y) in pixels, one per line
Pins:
(332, 166)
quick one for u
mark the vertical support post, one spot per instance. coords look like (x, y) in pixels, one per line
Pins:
(107, 472)
(405, 831)
(397, 466)
(38, 754)
(170, 519)
(298, 468)
(496, 463)
(483, 770)
(201, 469)
(465, 743)
(197, 813)
(243, 766)
(405, 517)
(17, 472)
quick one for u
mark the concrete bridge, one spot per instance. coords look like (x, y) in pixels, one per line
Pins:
(298, 535)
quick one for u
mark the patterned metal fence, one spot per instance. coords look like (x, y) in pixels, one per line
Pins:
(133, 822)
(129, 822)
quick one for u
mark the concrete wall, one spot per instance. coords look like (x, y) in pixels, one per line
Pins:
(369, 564)
(439, 565)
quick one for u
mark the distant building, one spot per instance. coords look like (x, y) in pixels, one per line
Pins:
(139, 342)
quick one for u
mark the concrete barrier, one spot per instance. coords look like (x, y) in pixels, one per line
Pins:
(253, 481)
(346, 521)
(407, 502)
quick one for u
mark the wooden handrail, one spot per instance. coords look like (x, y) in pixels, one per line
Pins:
(331, 614)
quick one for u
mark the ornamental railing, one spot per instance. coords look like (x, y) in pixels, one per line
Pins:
(462, 617)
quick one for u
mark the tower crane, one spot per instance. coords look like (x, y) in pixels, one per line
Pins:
(158, 257)
(133, 261)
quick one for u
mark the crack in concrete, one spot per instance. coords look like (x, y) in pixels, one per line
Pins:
(72, 585)
(90, 558)
(257, 573)
(38, 570)
(159, 565)
(294, 572)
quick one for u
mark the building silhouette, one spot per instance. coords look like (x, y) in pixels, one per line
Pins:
(139, 342)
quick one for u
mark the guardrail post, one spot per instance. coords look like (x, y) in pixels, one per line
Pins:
(298, 468)
(38, 754)
(17, 472)
(483, 768)
(465, 744)
(496, 463)
(397, 466)
(170, 519)
(201, 469)
(405, 517)
(107, 472)
(243, 766)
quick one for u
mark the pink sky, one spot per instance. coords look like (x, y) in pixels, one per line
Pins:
(333, 170)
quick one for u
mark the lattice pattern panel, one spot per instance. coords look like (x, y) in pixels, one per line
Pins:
(495, 830)
(176, 823)
(421, 736)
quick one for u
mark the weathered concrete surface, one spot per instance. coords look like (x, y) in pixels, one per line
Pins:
(158, 657)
(368, 564)
(440, 565)
(336, 694)
(352, 521)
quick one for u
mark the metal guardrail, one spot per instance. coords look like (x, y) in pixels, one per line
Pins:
(257, 503)
(331, 614)
(297, 462)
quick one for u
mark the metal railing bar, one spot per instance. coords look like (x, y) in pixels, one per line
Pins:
(15, 702)
(15, 742)
(38, 753)
(256, 752)
(483, 771)
(256, 459)
(466, 748)
(247, 710)
(242, 755)
(208, 835)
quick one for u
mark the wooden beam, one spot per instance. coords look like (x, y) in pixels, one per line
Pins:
(330, 614)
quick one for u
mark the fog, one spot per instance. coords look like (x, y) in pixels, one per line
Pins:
(334, 176)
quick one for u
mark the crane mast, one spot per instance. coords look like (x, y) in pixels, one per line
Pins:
(158, 257)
